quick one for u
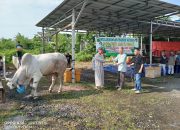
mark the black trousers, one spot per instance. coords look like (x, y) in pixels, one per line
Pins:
(121, 79)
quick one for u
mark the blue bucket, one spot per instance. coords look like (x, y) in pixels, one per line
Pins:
(21, 89)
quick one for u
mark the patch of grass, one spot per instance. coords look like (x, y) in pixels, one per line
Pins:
(70, 95)
(92, 109)
(5, 114)
(151, 99)
(81, 84)
(155, 80)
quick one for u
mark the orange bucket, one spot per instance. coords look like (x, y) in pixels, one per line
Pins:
(77, 75)
(68, 75)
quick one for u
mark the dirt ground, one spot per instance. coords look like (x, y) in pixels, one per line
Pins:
(82, 107)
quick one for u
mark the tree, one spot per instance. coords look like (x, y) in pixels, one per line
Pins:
(37, 41)
(64, 43)
(27, 43)
(6, 44)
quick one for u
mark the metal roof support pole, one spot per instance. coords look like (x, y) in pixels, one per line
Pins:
(43, 41)
(62, 29)
(82, 9)
(68, 17)
(73, 45)
(150, 38)
(141, 44)
(56, 49)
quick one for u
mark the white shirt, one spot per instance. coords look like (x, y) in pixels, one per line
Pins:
(121, 59)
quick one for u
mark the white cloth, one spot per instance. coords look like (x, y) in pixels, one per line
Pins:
(99, 70)
(121, 60)
(93, 63)
(170, 69)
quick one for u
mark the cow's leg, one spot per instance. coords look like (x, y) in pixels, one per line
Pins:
(31, 83)
(27, 83)
(54, 77)
(34, 87)
(61, 83)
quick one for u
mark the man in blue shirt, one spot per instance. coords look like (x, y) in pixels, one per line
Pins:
(120, 61)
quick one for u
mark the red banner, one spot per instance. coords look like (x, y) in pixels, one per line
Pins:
(159, 46)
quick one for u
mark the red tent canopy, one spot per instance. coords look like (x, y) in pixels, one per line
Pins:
(159, 46)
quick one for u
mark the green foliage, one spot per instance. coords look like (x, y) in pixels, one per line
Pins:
(6, 44)
(27, 43)
(12, 52)
(49, 48)
(8, 54)
(37, 42)
(90, 48)
(64, 43)
(82, 56)
(89, 51)
(34, 45)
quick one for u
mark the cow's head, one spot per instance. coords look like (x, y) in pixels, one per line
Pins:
(19, 79)
(10, 85)
(19, 88)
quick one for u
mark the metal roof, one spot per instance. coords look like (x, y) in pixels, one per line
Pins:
(118, 16)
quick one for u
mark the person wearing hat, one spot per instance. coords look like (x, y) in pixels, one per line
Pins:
(98, 68)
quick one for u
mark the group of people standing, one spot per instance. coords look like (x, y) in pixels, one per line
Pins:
(172, 62)
(120, 62)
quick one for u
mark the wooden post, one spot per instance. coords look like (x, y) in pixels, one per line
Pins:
(2, 90)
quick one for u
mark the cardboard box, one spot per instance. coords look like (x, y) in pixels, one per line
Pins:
(153, 72)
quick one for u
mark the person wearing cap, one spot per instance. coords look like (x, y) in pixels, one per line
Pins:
(120, 61)
(98, 68)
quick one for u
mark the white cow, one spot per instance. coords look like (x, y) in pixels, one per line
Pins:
(34, 67)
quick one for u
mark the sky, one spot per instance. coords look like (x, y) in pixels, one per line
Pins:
(21, 16)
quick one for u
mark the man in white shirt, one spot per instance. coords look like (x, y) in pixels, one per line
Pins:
(120, 61)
